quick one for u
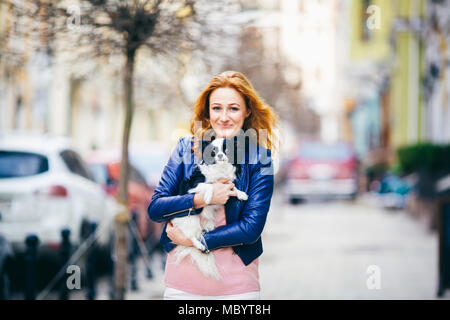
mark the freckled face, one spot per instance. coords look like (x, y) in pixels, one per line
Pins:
(227, 112)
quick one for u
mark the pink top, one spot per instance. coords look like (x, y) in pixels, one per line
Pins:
(235, 277)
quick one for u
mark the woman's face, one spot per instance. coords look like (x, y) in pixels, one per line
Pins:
(227, 112)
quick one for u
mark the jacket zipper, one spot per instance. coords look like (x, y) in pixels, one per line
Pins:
(172, 213)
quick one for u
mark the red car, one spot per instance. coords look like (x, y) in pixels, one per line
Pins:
(322, 170)
(106, 171)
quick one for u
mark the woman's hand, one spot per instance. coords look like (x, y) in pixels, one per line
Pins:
(177, 236)
(222, 191)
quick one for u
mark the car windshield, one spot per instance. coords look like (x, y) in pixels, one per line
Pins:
(21, 164)
(324, 152)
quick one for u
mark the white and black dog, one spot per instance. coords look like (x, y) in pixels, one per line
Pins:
(217, 164)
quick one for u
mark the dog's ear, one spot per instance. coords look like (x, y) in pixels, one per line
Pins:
(207, 152)
(229, 149)
(204, 145)
(224, 146)
(197, 176)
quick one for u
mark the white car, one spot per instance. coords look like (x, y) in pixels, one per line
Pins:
(45, 187)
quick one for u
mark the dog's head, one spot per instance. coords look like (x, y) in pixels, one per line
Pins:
(220, 150)
(215, 151)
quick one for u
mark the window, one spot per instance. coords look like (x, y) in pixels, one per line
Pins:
(15, 164)
(75, 164)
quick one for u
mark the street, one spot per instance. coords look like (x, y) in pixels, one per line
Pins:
(324, 250)
(328, 250)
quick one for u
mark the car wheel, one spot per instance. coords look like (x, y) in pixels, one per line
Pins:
(85, 229)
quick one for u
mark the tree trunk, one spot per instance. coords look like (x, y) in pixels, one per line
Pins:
(123, 216)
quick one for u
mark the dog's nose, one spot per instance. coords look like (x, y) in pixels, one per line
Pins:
(220, 155)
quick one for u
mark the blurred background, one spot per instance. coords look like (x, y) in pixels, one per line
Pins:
(361, 204)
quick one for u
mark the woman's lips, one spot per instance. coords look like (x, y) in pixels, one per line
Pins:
(226, 127)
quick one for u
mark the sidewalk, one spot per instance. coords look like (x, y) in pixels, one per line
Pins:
(149, 289)
(328, 251)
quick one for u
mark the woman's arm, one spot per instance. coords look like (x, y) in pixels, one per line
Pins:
(222, 191)
(250, 226)
(199, 202)
(165, 204)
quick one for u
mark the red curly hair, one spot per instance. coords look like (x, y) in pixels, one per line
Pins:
(262, 116)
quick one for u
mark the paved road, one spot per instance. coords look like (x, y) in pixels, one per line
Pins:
(333, 250)
(337, 250)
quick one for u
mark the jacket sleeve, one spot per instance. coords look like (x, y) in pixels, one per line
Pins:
(165, 203)
(249, 227)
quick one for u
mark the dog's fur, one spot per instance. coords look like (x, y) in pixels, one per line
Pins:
(216, 167)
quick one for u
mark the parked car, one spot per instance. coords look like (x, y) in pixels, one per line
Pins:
(45, 186)
(105, 165)
(150, 158)
(106, 172)
(319, 169)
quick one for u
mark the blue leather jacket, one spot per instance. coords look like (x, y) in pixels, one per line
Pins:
(244, 219)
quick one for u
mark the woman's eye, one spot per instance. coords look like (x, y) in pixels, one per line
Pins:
(235, 109)
(216, 108)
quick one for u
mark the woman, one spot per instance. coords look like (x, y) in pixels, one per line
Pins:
(228, 106)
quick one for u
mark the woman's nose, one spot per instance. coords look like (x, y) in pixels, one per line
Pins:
(224, 116)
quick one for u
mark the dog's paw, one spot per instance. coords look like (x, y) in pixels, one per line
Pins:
(209, 226)
(194, 190)
(208, 193)
(242, 195)
(198, 244)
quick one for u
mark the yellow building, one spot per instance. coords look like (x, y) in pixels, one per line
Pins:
(386, 56)
(407, 114)
(371, 24)
(367, 75)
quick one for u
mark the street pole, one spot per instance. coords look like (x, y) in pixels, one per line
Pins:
(121, 251)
